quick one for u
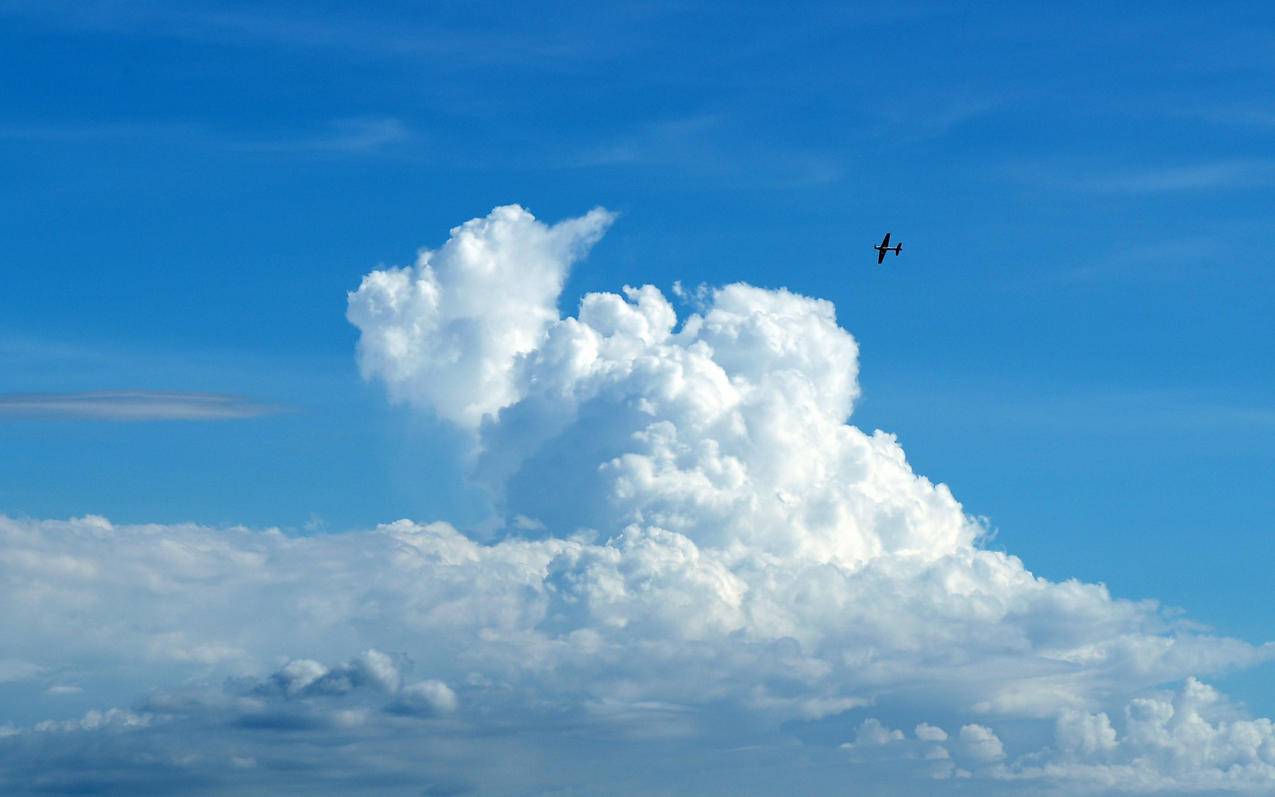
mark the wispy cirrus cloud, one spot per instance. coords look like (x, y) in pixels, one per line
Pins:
(712, 146)
(355, 34)
(1207, 176)
(131, 405)
(350, 136)
(1196, 177)
(346, 136)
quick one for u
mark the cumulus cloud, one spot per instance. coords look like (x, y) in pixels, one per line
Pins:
(301, 677)
(430, 697)
(445, 333)
(700, 554)
(980, 743)
(929, 733)
(1189, 740)
(873, 734)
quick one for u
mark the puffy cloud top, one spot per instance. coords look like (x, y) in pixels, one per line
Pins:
(730, 430)
(444, 334)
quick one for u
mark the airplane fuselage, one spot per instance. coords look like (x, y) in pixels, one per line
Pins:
(884, 247)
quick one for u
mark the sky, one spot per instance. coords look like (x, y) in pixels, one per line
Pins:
(322, 309)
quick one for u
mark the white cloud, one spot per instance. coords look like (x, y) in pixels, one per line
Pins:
(426, 698)
(445, 334)
(1086, 734)
(700, 551)
(1189, 741)
(95, 720)
(980, 743)
(1224, 175)
(873, 734)
(348, 136)
(929, 733)
(63, 689)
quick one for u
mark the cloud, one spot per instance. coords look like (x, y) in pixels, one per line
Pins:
(372, 135)
(980, 743)
(1192, 740)
(95, 720)
(1205, 176)
(63, 689)
(343, 136)
(17, 670)
(930, 733)
(131, 405)
(425, 698)
(709, 146)
(306, 677)
(695, 554)
(359, 35)
(445, 334)
(1188, 741)
(1215, 176)
(873, 734)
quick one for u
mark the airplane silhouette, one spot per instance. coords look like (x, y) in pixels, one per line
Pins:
(884, 247)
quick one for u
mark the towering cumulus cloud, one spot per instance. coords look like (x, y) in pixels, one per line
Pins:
(706, 581)
(445, 333)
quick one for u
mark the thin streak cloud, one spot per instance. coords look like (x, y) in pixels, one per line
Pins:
(131, 405)
(354, 136)
(343, 136)
(353, 34)
(1198, 177)
(1210, 176)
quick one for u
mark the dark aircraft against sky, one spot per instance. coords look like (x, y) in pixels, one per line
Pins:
(884, 247)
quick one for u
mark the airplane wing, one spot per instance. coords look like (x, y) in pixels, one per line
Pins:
(885, 242)
(881, 254)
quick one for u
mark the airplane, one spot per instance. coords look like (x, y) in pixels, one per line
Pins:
(884, 247)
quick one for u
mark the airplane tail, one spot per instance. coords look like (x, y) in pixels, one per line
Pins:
(898, 249)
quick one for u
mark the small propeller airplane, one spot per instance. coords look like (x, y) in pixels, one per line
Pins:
(884, 247)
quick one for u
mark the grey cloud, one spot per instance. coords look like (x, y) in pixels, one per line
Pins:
(426, 699)
(131, 405)
(18, 670)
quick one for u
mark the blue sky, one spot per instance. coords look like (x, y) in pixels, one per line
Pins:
(1077, 338)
